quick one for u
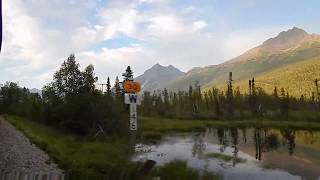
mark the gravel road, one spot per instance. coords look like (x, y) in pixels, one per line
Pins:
(19, 159)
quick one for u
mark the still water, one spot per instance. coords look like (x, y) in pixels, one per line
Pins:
(252, 153)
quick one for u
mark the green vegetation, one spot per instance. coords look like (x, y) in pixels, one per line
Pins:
(80, 158)
(178, 170)
(70, 102)
(151, 125)
(297, 78)
(86, 130)
(233, 104)
(225, 157)
(84, 158)
(83, 129)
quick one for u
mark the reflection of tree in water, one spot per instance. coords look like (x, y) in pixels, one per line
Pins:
(234, 136)
(199, 146)
(306, 136)
(289, 136)
(264, 141)
(222, 139)
(272, 141)
(244, 135)
(257, 142)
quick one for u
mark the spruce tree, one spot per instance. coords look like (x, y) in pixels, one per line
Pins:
(317, 90)
(275, 92)
(108, 87)
(128, 75)
(117, 87)
(229, 95)
(250, 88)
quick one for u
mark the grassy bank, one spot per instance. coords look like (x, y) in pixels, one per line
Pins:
(82, 159)
(152, 125)
(108, 159)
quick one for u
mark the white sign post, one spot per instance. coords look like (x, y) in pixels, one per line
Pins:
(133, 100)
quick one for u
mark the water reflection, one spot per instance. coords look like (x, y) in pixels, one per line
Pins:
(289, 137)
(199, 146)
(247, 153)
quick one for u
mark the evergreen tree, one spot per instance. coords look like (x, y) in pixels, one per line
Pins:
(313, 98)
(253, 86)
(250, 88)
(166, 97)
(284, 103)
(108, 87)
(190, 90)
(317, 90)
(206, 100)
(229, 95)
(128, 75)
(117, 87)
(275, 92)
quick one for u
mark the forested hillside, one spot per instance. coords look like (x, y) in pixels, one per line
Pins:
(294, 45)
(298, 78)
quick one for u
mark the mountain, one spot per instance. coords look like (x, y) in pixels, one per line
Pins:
(293, 45)
(158, 76)
(34, 90)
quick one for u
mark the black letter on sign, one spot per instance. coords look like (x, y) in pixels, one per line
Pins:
(133, 98)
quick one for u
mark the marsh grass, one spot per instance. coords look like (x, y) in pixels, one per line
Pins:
(178, 170)
(152, 125)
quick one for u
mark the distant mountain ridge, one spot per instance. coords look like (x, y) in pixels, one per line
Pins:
(158, 76)
(293, 45)
(35, 90)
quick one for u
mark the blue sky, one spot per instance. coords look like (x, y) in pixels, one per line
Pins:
(111, 34)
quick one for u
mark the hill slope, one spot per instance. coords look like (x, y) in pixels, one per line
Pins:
(288, 47)
(297, 78)
(157, 76)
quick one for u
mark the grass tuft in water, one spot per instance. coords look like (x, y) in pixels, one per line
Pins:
(178, 170)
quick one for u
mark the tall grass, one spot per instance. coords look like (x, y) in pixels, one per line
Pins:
(80, 158)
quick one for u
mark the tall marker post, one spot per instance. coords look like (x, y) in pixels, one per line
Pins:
(133, 100)
(131, 97)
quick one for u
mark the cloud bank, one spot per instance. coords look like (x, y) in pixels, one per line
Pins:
(40, 34)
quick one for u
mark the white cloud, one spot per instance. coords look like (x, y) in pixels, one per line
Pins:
(112, 62)
(39, 35)
(200, 24)
(32, 45)
(119, 21)
(164, 25)
(188, 10)
(152, 1)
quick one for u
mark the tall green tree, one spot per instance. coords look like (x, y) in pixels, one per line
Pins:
(108, 87)
(128, 75)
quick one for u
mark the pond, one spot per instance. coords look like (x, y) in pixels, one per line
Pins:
(252, 153)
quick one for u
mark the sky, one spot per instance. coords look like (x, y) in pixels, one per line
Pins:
(112, 34)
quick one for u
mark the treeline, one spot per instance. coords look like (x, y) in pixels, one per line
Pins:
(231, 103)
(70, 102)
